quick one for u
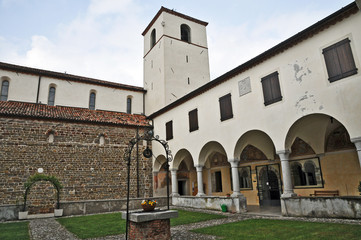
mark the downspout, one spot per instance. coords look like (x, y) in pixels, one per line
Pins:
(37, 94)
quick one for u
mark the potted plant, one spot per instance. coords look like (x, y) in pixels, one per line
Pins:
(148, 205)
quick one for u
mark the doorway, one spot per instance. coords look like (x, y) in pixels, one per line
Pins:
(182, 187)
(269, 185)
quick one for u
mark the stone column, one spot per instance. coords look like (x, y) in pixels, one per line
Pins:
(200, 181)
(357, 142)
(286, 174)
(173, 172)
(235, 177)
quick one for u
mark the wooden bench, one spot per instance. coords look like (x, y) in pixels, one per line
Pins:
(325, 193)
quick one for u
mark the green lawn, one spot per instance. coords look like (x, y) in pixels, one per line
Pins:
(95, 225)
(186, 217)
(112, 224)
(281, 229)
(14, 230)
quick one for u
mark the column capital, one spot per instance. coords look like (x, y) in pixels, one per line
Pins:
(173, 169)
(234, 162)
(357, 142)
(283, 154)
(199, 168)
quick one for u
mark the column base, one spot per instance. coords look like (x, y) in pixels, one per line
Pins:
(200, 195)
(288, 195)
(236, 194)
(175, 195)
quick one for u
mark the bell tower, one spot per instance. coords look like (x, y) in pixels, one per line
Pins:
(175, 58)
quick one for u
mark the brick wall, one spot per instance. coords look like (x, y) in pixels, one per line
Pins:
(87, 170)
(151, 230)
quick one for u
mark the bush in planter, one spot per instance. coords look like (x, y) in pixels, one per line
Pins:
(42, 177)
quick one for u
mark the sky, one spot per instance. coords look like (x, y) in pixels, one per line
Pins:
(102, 38)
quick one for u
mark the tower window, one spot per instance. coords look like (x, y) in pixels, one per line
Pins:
(129, 105)
(185, 33)
(152, 38)
(51, 97)
(92, 101)
(4, 90)
(339, 60)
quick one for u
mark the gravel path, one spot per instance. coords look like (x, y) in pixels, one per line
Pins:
(50, 229)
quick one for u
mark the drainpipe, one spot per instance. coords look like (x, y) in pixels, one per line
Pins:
(37, 94)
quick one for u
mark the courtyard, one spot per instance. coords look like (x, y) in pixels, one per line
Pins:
(191, 224)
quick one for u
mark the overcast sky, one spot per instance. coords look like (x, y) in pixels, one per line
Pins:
(102, 38)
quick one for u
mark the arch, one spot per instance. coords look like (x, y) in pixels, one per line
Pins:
(250, 153)
(209, 149)
(41, 177)
(153, 37)
(301, 148)
(312, 129)
(183, 155)
(338, 139)
(185, 33)
(257, 139)
(4, 89)
(158, 163)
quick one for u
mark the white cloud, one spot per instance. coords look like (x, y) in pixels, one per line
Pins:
(230, 46)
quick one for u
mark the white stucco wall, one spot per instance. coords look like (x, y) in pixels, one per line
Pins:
(304, 86)
(24, 87)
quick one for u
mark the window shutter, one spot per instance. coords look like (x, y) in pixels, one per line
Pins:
(271, 89)
(169, 130)
(193, 120)
(339, 60)
(225, 105)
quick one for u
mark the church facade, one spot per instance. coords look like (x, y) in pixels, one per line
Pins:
(276, 129)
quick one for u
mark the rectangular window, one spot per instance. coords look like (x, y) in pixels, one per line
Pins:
(271, 89)
(193, 120)
(225, 105)
(169, 130)
(339, 60)
(306, 173)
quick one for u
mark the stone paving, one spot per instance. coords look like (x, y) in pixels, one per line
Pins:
(50, 229)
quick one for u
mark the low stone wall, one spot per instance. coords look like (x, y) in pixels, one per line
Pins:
(234, 204)
(322, 207)
(11, 212)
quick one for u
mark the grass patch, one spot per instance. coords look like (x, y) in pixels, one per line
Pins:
(280, 229)
(14, 230)
(93, 226)
(187, 217)
(101, 225)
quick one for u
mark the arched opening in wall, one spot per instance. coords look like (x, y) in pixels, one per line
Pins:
(160, 176)
(186, 173)
(51, 95)
(92, 97)
(153, 38)
(259, 169)
(42, 198)
(4, 89)
(217, 178)
(185, 33)
(322, 156)
(129, 104)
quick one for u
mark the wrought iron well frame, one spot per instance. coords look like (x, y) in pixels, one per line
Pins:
(149, 137)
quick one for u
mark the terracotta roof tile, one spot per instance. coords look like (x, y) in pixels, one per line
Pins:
(32, 110)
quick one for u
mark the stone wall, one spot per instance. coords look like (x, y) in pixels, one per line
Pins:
(234, 204)
(323, 207)
(87, 169)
